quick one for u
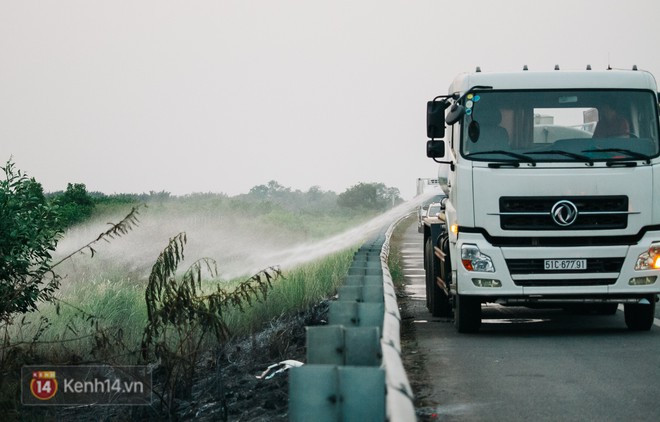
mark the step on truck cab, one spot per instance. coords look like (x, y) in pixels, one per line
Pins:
(553, 185)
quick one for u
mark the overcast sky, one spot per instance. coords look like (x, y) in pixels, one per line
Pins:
(220, 96)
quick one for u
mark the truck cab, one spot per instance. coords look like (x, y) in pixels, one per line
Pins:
(552, 186)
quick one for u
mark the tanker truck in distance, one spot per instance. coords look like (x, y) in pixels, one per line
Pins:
(553, 194)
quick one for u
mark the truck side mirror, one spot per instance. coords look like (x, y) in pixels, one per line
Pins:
(435, 149)
(455, 114)
(435, 118)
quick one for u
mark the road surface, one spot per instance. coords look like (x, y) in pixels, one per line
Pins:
(526, 365)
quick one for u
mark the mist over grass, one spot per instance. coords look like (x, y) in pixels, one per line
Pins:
(242, 236)
(242, 239)
(313, 251)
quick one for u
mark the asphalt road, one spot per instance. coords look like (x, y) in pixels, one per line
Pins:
(529, 365)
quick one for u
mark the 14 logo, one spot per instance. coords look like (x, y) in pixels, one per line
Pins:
(43, 385)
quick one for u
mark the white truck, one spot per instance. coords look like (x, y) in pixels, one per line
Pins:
(553, 194)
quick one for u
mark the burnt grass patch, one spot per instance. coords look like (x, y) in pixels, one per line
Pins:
(227, 387)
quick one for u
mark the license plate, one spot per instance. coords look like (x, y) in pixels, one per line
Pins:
(564, 264)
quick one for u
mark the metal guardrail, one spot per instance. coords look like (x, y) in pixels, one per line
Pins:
(354, 370)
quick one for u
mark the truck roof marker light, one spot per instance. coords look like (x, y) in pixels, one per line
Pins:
(588, 67)
(556, 67)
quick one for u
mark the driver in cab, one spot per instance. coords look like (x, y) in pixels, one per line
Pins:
(611, 124)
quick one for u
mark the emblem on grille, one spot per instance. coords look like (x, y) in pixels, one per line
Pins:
(564, 213)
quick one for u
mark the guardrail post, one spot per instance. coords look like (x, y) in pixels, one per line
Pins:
(356, 314)
(325, 345)
(313, 394)
(339, 345)
(337, 393)
(354, 370)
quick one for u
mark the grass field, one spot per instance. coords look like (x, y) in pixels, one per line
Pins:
(101, 310)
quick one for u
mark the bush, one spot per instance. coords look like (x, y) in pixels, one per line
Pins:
(29, 231)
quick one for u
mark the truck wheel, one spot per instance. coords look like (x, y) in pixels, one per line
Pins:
(467, 313)
(639, 317)
(437, 301)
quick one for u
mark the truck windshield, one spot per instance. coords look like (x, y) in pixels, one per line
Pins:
(547, 126)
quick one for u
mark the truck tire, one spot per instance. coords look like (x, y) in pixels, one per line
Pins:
(436, 300)
(639, 317)
(467, 313)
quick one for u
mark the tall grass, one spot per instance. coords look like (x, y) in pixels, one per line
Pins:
(300, 288)
(96, 320)
(112, 310)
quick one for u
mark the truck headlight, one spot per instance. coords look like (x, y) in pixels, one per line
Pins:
(650, 259)
(474, 260)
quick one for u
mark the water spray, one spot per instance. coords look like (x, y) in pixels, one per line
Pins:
(240, 249)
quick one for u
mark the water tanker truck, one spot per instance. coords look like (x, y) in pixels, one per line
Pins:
(553, 194)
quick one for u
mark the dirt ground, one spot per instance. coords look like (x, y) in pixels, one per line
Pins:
(227, 387)
(414, 363)
(251, 399)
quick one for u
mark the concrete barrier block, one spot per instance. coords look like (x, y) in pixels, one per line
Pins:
(325, 345)
(362, 346)
(362, 393)
(313, 394)
(343, 313)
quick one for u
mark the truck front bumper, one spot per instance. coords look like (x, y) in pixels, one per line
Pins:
(519, 272)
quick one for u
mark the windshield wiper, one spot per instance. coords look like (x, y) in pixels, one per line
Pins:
(578, 157)
(633, 154)
(509, 153)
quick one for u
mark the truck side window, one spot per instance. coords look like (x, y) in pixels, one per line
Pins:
(491, 135)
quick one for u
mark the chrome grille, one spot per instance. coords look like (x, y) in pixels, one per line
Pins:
(534, 213)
